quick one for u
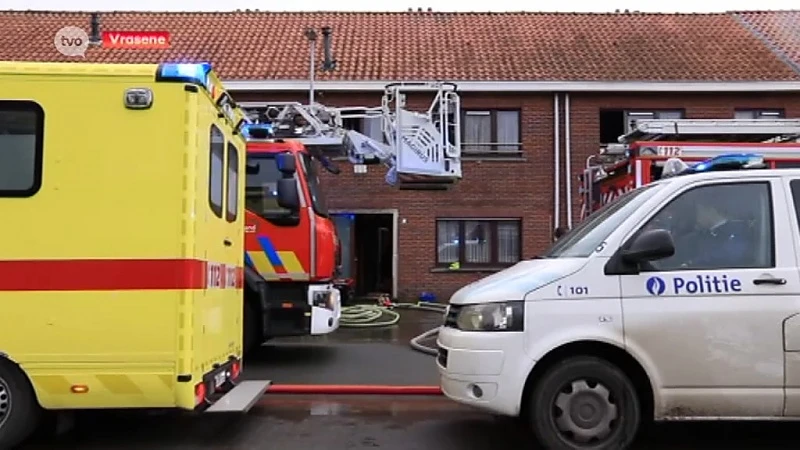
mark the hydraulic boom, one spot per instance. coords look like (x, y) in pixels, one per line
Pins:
(418, 143)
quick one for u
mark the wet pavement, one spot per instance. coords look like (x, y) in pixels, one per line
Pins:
(351, 356)
(358, 356)
(328, 423)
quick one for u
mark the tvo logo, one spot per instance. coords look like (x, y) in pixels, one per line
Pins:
(655, 285)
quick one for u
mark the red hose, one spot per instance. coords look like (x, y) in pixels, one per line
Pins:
(352, 389)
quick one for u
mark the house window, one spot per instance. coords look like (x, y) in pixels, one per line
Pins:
(758, 114)
(21, 145)
(617, 122)
(491, 132)
(478, 242)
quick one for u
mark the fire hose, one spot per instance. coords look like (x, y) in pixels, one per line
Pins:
(385, 314)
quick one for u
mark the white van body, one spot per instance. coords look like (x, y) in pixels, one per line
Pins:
(717, 342)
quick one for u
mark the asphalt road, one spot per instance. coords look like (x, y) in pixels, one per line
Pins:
(343, 423)
(282, 422)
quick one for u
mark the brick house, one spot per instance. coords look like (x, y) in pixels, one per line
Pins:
(534, 88)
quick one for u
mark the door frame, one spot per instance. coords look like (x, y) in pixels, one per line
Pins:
(395, 213)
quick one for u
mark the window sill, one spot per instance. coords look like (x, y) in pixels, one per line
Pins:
(492, 158)
(491, 269)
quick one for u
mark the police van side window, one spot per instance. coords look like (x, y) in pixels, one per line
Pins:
(720, 226)
(216, 171)
(232, 187)
(21, 148)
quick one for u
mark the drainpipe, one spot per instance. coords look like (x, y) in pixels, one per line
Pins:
(567, 157)
(557, 162)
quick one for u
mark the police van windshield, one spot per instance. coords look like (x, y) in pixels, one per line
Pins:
(583, 240)
(261, 193)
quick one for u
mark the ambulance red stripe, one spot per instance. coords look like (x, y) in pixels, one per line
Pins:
(116, 275)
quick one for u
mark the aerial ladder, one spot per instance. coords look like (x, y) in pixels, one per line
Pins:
(424, 143)
(639, 156)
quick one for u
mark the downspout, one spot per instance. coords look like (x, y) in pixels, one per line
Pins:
(557, 162)
(567, 158)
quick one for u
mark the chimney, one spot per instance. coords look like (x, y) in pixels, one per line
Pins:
(94, 36)
(430, 9)
(328, 63)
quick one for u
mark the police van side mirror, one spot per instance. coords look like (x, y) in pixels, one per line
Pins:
(288, 195)
(649, 246)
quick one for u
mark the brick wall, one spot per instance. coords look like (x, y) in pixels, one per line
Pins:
(511, 188)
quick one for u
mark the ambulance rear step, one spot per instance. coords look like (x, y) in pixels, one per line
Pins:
(241, 398)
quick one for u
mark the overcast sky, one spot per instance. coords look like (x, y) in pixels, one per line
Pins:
(401, 5)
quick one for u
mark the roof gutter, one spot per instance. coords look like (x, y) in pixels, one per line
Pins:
(530, 86)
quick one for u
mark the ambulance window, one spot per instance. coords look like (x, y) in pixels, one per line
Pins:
(233, 183)
(21, 133)
(719, 226)
(216, 171)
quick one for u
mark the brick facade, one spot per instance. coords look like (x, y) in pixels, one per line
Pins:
(514, 187)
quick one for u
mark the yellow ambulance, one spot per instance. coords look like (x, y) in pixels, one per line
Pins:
(121, 241)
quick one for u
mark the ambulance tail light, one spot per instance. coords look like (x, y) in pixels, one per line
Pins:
(199, 393)
(197, 73)
(236, 369)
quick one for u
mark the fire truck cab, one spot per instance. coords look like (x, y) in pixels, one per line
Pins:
(639, 157)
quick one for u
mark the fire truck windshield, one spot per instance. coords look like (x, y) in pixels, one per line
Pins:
(261, 194)
(583, 240)
(314, 188)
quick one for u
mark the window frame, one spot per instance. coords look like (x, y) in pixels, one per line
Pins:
(759, 112)
(626, 114)
(232, 197)
(493, 250)
(493, 146)
(38, 157)
(212, 149)
(773, 250)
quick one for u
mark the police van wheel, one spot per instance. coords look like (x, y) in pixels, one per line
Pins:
(19, 410)
(585, 403)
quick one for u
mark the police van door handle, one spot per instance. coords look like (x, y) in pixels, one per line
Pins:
(227, 243)
(769, 279)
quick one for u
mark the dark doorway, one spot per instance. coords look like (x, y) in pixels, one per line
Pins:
(373, 249)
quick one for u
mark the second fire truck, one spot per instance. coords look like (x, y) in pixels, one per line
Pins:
(639, 157)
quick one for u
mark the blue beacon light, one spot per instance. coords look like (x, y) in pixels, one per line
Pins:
(187, 72)
(257, 131)
(731, 161)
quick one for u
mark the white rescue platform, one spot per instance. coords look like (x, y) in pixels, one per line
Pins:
(241, 398)
(416, 143)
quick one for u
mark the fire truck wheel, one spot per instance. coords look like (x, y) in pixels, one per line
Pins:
(584, 403)
(19, 410)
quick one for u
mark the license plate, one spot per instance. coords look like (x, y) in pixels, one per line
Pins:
(219, 379)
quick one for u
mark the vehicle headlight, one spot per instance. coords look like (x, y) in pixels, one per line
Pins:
(501, 316)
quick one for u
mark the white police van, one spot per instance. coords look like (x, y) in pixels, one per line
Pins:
(679, 300)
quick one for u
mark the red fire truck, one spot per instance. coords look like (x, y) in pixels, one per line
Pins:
(640, 155)
(292, 253)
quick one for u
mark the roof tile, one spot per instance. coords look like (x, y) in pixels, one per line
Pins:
(780, 29)
(428, 45)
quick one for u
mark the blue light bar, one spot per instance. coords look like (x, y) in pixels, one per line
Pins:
(195, 73)
(259, 129)
(732, 161)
